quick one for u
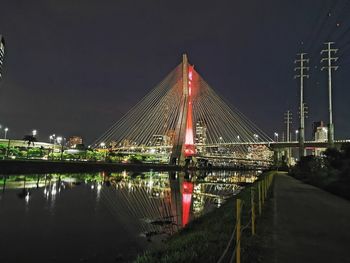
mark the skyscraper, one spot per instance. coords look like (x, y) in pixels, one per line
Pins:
(201, 132)
(2, 54)
(201, 136)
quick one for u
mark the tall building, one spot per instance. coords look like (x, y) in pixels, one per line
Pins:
(160, 140)
(201, 136)
(316, 125)
(201, 133)
(320, 134)
(319, 131)
(73, 141)
(2, 54)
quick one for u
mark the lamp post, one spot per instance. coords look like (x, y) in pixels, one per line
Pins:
(5, 131)
(103, 146)
(60, 141)
(276, 136)
(296, 135)
(52, 140)
(34, 132)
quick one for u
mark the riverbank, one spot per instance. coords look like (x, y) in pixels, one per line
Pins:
(40, 166)
(206, 238)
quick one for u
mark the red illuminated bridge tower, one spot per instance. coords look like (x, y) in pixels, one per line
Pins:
(183, 146)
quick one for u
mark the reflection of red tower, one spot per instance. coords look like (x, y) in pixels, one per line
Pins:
(190, 149)
(186, 202)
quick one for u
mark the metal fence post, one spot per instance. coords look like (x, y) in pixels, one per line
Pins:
(259, 194)
(238, 231)
(253, 210)
(262, 191)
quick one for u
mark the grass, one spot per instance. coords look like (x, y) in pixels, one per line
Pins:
(205, 238)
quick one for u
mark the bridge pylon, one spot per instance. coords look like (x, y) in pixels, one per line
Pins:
(183, 146)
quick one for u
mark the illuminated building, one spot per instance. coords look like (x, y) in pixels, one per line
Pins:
(201, 133)
(320, 134)
(160, 140)
(73, 141)
(315, 125)
(2, 54)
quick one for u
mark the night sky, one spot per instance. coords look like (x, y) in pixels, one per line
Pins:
(75, 67)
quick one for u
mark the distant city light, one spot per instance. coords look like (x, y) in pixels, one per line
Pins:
(5, 130)
(59, 139)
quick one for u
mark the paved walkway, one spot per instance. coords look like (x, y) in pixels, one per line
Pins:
(309, 224)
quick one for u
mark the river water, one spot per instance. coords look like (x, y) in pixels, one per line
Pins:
(104, 217)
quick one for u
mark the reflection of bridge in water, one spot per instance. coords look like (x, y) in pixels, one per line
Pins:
(166, 202)
(152, 203)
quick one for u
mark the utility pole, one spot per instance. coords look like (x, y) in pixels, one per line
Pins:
(329, 52)
(288, 122)
(302, 69)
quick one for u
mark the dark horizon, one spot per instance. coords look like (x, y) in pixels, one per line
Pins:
(76, 68)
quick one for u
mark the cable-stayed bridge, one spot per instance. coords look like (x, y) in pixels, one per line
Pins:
(183, 119)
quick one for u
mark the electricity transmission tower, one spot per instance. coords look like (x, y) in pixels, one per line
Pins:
(302, 68)
(329, 51)
(288, 122)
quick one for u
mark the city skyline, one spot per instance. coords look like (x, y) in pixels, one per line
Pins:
(79, 79)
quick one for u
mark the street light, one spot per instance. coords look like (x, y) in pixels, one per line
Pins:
(296, 134)
(59, 140)
(52, 138)
(6, 130)
(256, 137)
(34, 132)
(276, 136)
(103, 146)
